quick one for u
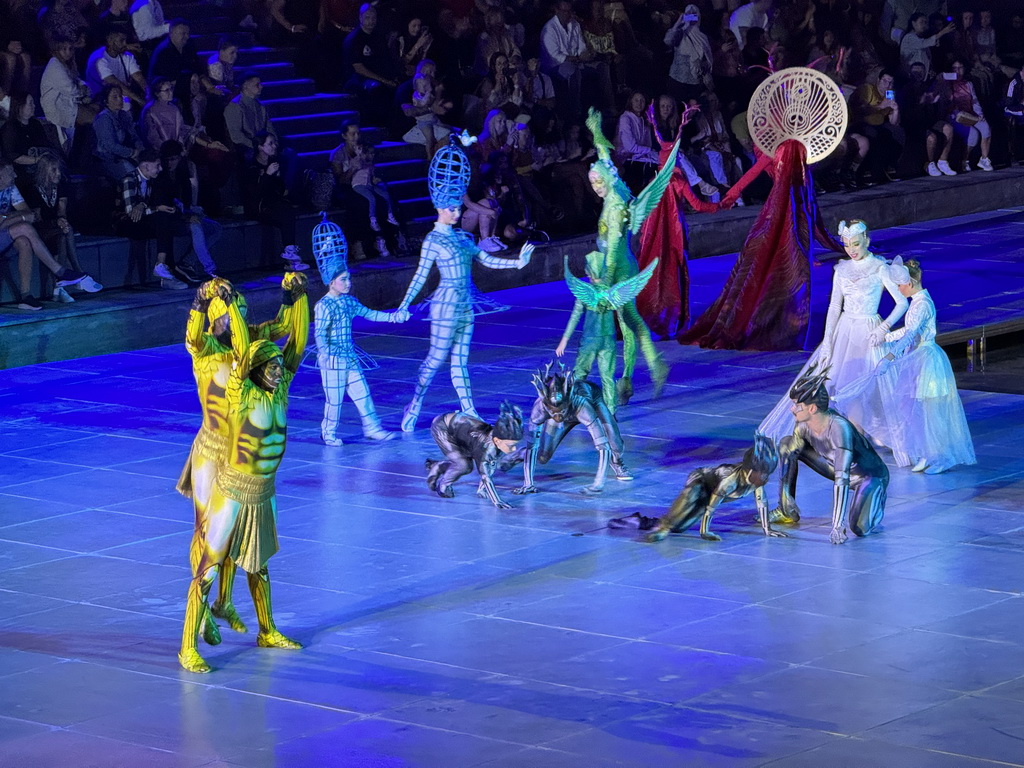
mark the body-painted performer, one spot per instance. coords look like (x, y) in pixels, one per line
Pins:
(622, 215)
(833, 447)
(340, 361)
(466, 442)
(241, 517)
(562, 403)
(211, 366)
(596, 303)
(854, 331)
(454, 304)
(708, 487)
(909, 402)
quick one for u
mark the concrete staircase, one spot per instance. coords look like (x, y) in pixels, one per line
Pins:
(309, 122)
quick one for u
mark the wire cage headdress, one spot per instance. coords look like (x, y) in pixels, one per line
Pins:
(330, 249)
(450, 171)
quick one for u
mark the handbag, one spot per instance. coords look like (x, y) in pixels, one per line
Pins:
(319, 188)
(967, 118)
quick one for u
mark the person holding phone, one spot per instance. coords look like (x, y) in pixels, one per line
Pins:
(690, 73)
(916, 45)
(876, 115)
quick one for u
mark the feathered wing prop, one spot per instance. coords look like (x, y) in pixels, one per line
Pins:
(616, 296)
(640, 208)
(601, 144)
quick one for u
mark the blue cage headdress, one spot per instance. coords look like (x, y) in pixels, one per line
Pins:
(330, 249)
(448, 178)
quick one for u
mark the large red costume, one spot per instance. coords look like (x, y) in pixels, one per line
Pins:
(664, 304)
(765, 304)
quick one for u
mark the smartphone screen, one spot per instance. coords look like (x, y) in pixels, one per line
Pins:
(890, 95)
(949, 75)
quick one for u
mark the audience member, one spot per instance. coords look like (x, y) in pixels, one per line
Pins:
(115, 65)
(176, 59)
(17, 32)
(64, 96)
(16, 231)
(562, 57)
(634, 144)
(178, 187)
(966, 116)
(149, 23)
(916, 46)
(750, 16)
(117, 142)
(692, 60)
(875, 114)
(412, 45)
(137, 217)
(23, 139)
(264, 193)
(427, 106)
(369, 71)
(246, 118)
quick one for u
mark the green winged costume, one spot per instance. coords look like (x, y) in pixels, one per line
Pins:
(622, 216)
(599, 302)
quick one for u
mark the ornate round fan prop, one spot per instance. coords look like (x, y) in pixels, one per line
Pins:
(798, 103)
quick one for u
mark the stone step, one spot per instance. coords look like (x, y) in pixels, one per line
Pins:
(321, 123)
(306, 105)
(285, 89)
(416, 209)
(250, 56)
(208, 41)
(275, 71)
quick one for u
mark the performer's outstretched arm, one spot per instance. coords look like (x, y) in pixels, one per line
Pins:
(428, 255)
(901, 302)
(835, 308)
(496, 262)
(296, 345)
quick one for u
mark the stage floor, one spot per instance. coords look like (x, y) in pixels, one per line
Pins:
(444, 632)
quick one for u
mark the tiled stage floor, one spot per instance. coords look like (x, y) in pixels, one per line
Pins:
(447, 633)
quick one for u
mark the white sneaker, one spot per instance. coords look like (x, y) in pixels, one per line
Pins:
(172, 284)
(89, 285)
(492, 245)
(382, 246)
(985, 164)
(944, 167)
(162, 272)
(248, 23)
(933, 169)
(291, 255)
(61, 296)
(966, 168)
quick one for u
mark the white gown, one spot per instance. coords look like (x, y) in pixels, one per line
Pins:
(852, 316)
(913, 407)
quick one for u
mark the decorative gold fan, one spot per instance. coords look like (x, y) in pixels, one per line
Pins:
(798, 103)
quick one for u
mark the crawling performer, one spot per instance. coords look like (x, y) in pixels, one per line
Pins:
(211, 366)
(466, 440)
(708, 487)
(241, 519)
(830, 445)
(562, 403)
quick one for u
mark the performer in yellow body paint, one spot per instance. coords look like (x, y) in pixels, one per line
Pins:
(241, 516)
(211, 367)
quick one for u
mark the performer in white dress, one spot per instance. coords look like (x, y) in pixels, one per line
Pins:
(854, 330)
(910, 402)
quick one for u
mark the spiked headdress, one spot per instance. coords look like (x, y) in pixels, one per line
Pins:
(509, 425)
(810, 388)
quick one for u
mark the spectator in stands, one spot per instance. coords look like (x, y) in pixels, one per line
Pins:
(498, 88)
(47, 198)
(1011, 43)
(370, 71)
(65, 98)
(602, 56)
(115, 65)
(337, 19)
(149, 23)
(117, 142)
(750, 16)
(62, 20)
(634, 144)
(925, 117)
(17, 232)
(368, 185)
(692, 60)
(412, 45)
(264, 192)
(875, 114)
(23, 138)
(916, 45)
(427, 105)
(493, 40)
(137, 217)
(539, 90)
(177, 186)
(493, 138)
(824, 54)
(966, 116)
(220, 69)
(17, 28)
(343, 158)
(176, 59)
(670, 124)
(710, 149)
(727, 72)
(116, 17)
(756, 63)
(246, 118)
(1013, 104)
(563, 54)
(482, 209)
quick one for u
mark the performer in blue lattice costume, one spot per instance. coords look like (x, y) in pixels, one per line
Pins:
(340, 361)
(454, 305)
